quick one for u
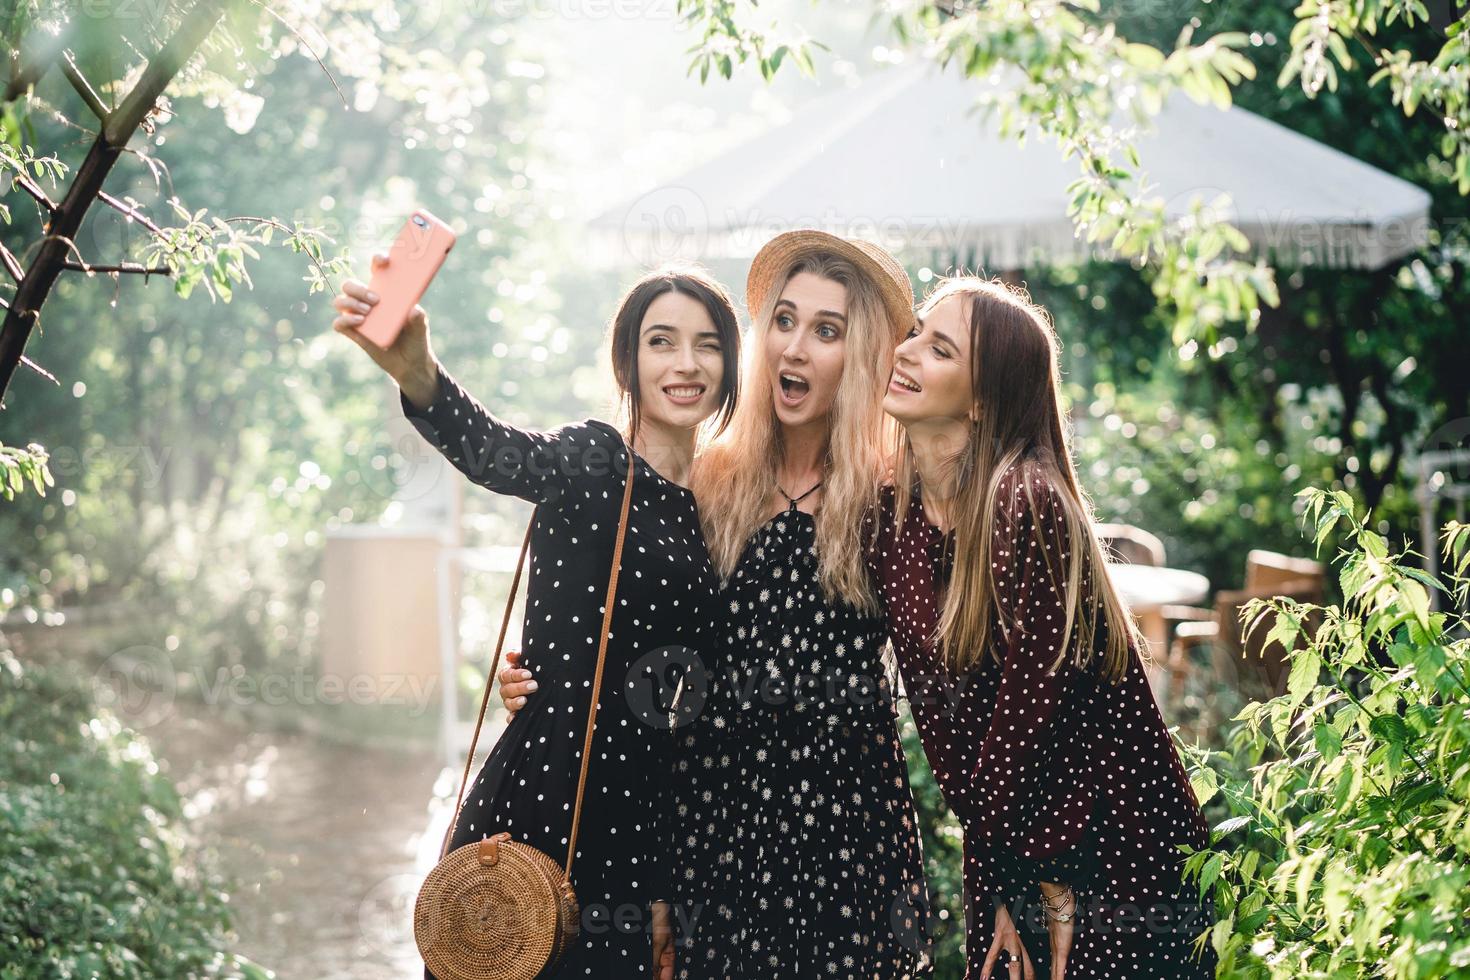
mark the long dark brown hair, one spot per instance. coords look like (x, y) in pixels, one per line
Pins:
(692, 281)
(1018, 440)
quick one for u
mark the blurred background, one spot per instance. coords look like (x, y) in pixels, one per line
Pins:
(249, 616)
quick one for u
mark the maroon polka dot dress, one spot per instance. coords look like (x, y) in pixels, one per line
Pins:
(1055, 777)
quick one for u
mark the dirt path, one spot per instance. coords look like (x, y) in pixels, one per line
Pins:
(327, 841)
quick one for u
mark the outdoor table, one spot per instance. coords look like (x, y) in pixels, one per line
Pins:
(1146, 590)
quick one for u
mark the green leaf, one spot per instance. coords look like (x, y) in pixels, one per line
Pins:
(1305, 666)
(1329, 742)
(1390, 728)
(1211, 871)
(1226, 827)
(1349, 783)
(1205, 784)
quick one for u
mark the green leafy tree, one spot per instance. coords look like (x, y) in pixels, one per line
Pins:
(186, 426)
(90, 54)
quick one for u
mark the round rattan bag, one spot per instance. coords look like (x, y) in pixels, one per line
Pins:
(494, 909)
(499, 909)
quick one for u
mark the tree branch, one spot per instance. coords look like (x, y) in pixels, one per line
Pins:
(12, 265)
(32, 188)
(39, 370)
(129, 211)
(160, 270)
(121, 123)
(84, 88)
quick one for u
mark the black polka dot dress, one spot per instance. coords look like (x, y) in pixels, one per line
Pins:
(796, 843)
(664, 608)
(1055, 777)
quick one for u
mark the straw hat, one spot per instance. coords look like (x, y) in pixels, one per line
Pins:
(778, 254)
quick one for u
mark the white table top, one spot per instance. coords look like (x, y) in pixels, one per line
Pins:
(1144, 588)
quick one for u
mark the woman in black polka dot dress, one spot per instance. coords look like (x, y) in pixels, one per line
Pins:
(796, 844)
(795, 827)
(674, 339)
(1029, 694)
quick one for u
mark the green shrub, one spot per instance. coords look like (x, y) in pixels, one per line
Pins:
(95, 879)
(1342, 847)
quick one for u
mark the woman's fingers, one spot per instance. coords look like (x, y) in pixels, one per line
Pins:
(355, 290)
(990, 958)
(346, 325)
(346, 303)
(352, 289)
(516, 683)
(1029, 973)
(353, 304)
(517, 689)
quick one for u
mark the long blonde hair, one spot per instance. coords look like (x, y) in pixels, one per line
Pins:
(735, 476)
(1017, 443)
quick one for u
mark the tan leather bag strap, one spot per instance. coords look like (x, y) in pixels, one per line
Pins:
(612, 588)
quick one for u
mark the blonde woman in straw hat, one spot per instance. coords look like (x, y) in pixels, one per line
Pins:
(796, 844)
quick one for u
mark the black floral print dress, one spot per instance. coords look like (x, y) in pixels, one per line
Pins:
(796, 843)
(1058, 777)
(664, 609)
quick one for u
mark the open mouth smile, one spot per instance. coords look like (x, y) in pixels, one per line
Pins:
(684, 394)
(902, 382)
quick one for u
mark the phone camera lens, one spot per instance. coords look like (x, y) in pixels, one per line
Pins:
(418, 220)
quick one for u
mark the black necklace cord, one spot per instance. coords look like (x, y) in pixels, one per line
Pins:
(796, 500)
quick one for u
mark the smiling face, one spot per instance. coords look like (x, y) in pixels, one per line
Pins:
(933, 376)
(680, 362)
(805, 348)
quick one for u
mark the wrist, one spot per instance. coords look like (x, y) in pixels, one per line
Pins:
(1058, 901)
(421, 384)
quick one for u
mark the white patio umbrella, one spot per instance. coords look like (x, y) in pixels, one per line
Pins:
(904, 159)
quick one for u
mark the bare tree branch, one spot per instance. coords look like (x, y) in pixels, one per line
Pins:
(147, 270)
(40, 370)
(84, 88)
(130, 211)
(12, 265)
(307, 45)
(34, 189)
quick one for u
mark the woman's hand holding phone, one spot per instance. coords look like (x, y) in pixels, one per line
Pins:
(408, 360)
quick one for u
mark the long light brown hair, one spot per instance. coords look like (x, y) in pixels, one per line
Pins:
(735, 477)
(1019, 440)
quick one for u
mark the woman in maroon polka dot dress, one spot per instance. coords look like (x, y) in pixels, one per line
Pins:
(1022, 665)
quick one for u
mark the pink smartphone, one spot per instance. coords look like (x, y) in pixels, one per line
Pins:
(413, 258)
